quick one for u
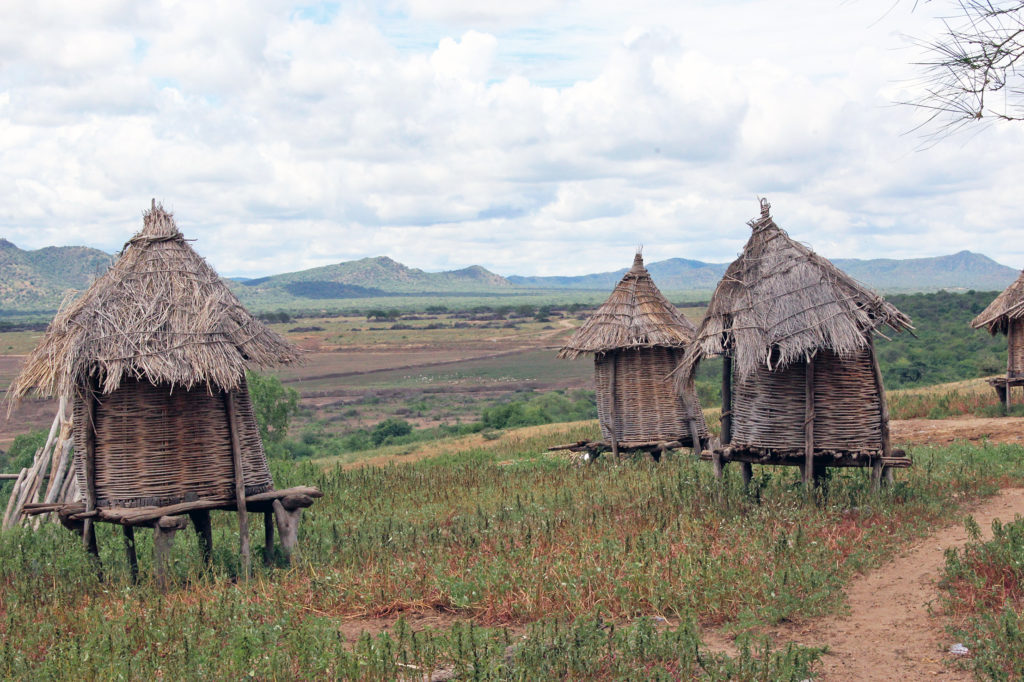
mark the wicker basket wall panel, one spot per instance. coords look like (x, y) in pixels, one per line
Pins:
(1015, 359)
(768, 407)
(155, 446)
(647, 408)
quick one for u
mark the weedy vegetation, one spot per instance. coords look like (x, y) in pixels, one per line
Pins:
(532, 567)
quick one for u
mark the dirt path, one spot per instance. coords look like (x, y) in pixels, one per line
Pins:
(889, 633)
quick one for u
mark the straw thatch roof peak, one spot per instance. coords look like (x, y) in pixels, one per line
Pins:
(160, 314)
(636, 315)
(780, 302)
(1007, 306)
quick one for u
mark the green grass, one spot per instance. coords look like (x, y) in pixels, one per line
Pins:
(504, 535)
(984, 594)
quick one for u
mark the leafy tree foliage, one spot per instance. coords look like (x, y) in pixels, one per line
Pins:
(274, 404)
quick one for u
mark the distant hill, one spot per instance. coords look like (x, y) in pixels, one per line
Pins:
(38, 280)
(373, 276)
(960, 271)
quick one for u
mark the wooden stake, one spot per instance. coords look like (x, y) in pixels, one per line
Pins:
(129, 550)
(716, 461)
(236, 455)
(163, 539)
(747, 469)
(809, 424)
(695, 435)
(876, 474)
(89, 529)
(268, 538)
(612, 416)
(204, 533)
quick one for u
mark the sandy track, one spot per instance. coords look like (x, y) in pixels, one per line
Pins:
(889, 633)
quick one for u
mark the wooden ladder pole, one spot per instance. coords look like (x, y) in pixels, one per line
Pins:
(236, 456)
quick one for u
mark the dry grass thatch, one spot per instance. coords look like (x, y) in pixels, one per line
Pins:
(1007, 306)
(780, 302)
(636, 315)
(159, 314)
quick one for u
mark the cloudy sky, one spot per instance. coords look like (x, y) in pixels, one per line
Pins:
(537, 137)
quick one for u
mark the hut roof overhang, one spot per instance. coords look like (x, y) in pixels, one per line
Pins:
(1007, 306)
(636, 315)
(780, 302)
(160, 314)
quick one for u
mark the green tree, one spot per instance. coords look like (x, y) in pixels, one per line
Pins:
(274, 404)
(389, 429)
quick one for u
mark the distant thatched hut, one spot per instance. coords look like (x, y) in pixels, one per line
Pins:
(153, 355)
(801, 383)
(637, 338)
(1006, 315)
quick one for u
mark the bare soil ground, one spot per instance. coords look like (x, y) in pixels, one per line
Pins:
(943, 431)
(892, 632)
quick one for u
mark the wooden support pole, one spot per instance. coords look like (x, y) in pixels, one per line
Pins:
(129, 550)
(612, 414)
(718, 465)
(747, 469)
(204, 533)
(883, 420)
(89, 528)
(887, 475)
(809, 424)
(695, 435)
(726, 400)
(268, 538)
(163, 539)
(876, 474)
(236, 455)
(287, 512)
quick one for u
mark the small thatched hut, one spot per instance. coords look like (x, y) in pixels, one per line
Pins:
(801, 383)
(637, 338)
(1006, 315)
(153, 355)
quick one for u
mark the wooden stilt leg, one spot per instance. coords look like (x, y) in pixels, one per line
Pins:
(243, 516)
(719, 467)
(876, 475)
(268, 538)
(887, 474)
(808, 468)
(204, 533)
(747, 469)
(287, 513)
(695, 436)
(129, 550)
(163, 539)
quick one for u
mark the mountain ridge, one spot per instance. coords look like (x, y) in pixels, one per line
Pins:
(39, 279)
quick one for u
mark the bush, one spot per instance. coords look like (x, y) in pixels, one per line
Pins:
(389, 430)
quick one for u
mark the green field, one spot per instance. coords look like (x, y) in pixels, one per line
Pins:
(511, 564)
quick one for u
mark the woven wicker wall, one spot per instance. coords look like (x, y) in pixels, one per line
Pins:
(157, 447)
(647, 408)
(768, 407)
(1015, 361)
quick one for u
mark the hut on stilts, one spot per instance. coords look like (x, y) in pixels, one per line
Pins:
(1006, 315)
(153, 358)
(800, 383)
(637, 338)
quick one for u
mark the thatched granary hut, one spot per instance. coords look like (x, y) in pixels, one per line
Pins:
(637, 338)
(801, 383)
(153, 356)
(1006, 315)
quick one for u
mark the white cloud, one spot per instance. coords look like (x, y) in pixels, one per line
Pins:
(287, 137)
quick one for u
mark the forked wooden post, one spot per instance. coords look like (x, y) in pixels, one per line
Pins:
(236, 455)
(809, 424)
(612, 416)
(164, 530)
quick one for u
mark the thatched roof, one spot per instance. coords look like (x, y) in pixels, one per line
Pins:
(636, 315)
(1007, 306)
(780, 302)
(161, 314)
